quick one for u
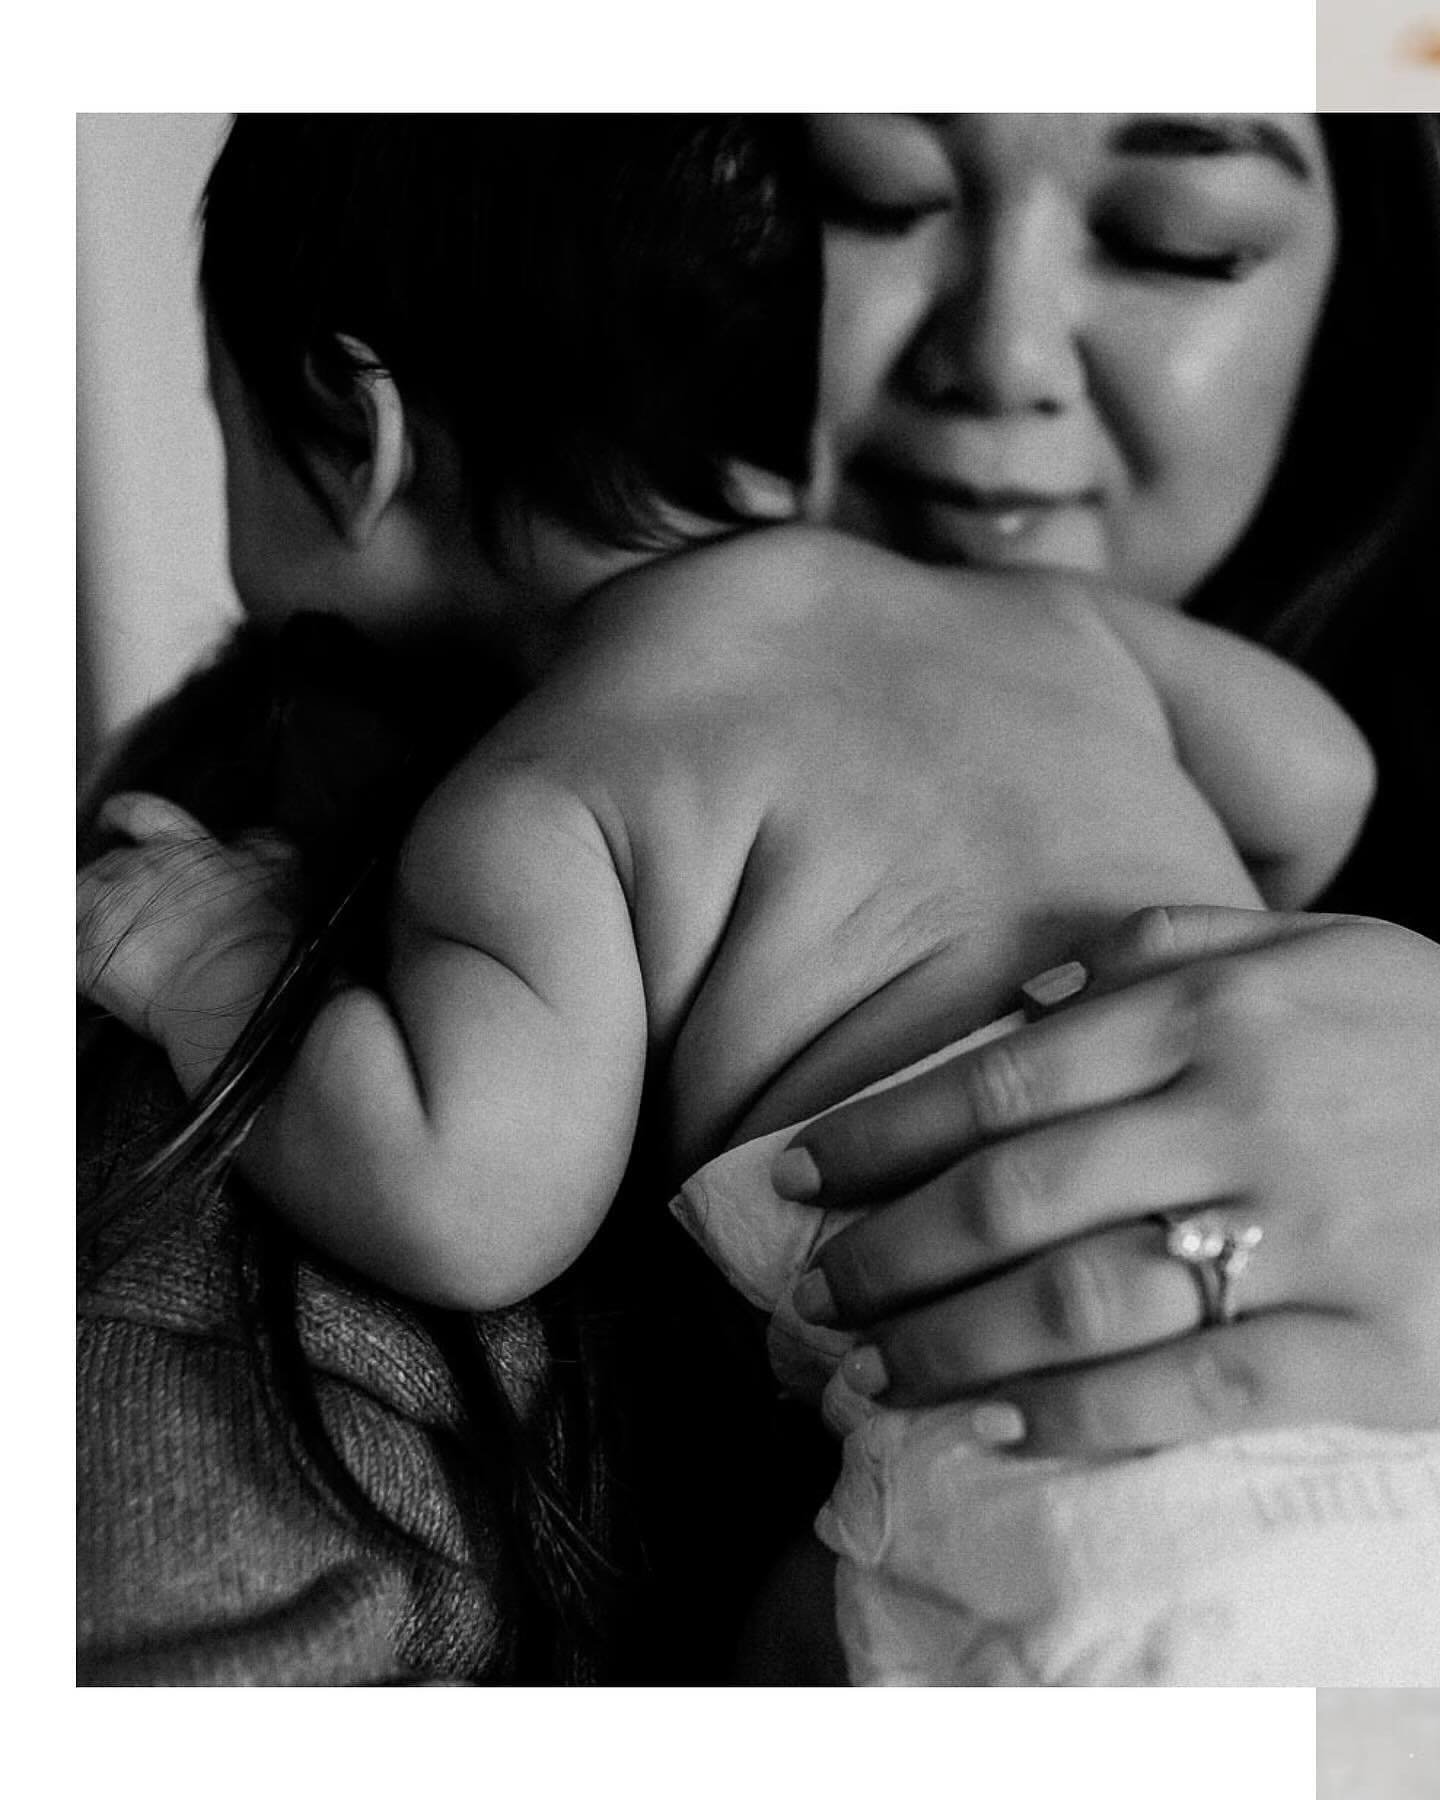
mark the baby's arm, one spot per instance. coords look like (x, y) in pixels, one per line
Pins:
(461, 1136)
(1284, 767)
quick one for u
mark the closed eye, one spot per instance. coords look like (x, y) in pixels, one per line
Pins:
(1159, 259)
(847, 211)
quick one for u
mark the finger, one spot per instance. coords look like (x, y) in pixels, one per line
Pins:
(103, 891)
(1020, 1196)
(1159, 938)
(1100, 1296)
(144, 816)
(1273, 1371)
(90, 883)
(92, 944)
(106, 905)
(1110, 1049)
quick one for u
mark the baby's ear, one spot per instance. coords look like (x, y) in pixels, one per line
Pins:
(369, 459)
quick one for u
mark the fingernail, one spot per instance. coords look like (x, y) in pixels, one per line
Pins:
(813, 1300)
(793, 1174)
(997, 1422)
(864, 1370)
(1047, 989)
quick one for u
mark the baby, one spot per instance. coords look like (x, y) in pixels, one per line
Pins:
(772, 791)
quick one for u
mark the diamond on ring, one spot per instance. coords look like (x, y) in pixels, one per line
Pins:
(1218, 1253)
(1197, 1239)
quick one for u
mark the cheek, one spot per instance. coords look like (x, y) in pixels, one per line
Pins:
(244, 543)
(875, 295)
(1198, 408)
(255, 568)
(268, 547)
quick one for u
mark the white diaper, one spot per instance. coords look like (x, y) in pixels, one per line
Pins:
(1301, 1558)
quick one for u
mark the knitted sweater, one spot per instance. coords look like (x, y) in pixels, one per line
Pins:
(204, 1555)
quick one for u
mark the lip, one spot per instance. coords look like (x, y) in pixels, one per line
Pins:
(938, 519)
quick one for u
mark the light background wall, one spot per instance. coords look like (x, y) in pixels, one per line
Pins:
(154, 592)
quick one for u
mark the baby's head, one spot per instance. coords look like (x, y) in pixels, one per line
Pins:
(467, 363)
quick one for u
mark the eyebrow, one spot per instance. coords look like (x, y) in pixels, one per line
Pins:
(1214, 137)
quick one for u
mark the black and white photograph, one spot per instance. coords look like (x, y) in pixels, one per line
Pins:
(757, 958)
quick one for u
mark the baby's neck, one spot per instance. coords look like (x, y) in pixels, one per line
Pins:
(570, 567)
(559, 570)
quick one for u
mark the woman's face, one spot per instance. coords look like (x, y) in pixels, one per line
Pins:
(1066, 342)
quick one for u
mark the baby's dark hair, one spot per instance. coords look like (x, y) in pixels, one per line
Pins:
(607, 311)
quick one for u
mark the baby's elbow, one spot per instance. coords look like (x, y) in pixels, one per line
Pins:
(480, 1247)
(465, 1284)
(461, 1268)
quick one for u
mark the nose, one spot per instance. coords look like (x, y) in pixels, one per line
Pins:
(999, 336)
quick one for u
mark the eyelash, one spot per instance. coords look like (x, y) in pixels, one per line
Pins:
(871, 218)
(1218, 265)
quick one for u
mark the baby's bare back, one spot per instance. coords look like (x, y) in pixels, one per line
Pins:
(855, 803)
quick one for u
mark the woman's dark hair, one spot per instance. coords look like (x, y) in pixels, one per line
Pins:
(1339, 569)
(606, 312)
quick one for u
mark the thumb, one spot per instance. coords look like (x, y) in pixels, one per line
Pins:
(1158, 938)
(143, 816)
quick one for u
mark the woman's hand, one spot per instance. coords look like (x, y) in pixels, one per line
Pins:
(1283, 1069)
(177, 934)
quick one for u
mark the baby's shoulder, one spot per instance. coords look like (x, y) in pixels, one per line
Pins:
(697, 625)
(768, 617)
